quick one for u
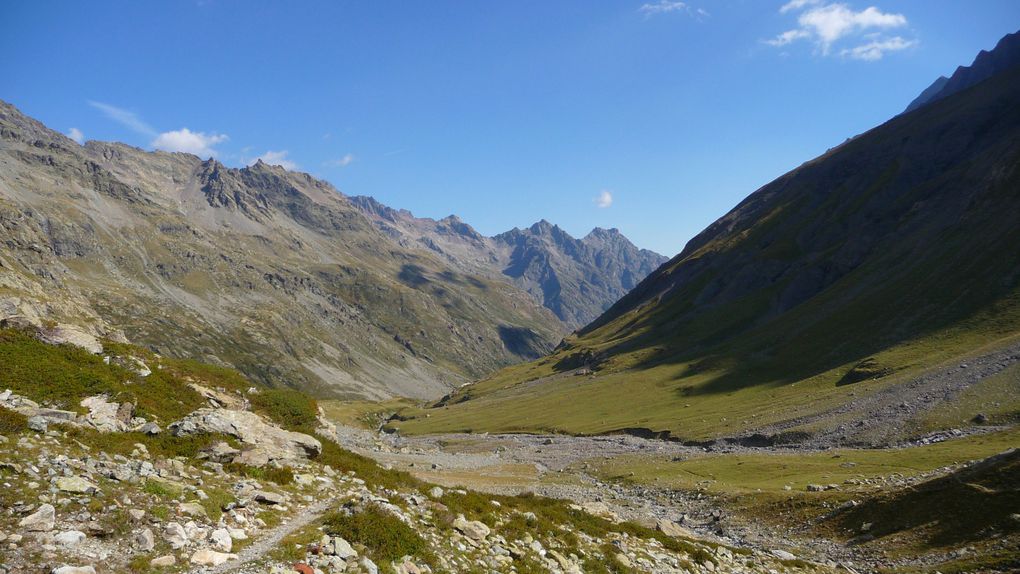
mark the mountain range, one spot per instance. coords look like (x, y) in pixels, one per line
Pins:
(279, 274)
(577, 279)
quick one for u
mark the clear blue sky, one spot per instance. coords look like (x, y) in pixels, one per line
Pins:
(503, 112)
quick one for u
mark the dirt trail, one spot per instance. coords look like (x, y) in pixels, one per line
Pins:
(269, 541)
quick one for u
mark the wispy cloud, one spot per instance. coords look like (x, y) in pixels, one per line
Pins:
(604, 199)
(662, 7)
(826, 23)
(187, 141)
(126, 118)
(876, 49)
(344, 161)
(276, 158)
(797, 5)
(76, 135)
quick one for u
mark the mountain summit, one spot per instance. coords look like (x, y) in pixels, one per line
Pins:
(1004, 56)
(577, 279)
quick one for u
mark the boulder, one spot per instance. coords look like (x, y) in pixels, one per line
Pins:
(783, 555)
(69, 538)
(65, 334)
(103, 415)
(265, 443)
(163, 561)
(75, 485)
(42, 520)
(151, 429)
(37, 423)
(473, 529)
(266, 497)
(670, 528)
(342, 549)
(192, 509)
(74, 570)
(175, 536)
(206, 557)
(221, 540)
(145, 541)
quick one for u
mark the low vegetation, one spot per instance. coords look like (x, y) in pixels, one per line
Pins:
(384, 536)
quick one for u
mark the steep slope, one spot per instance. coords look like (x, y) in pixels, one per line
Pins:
(928, 94)
(1004, 56)
(890, 254)
(270, 271)
(577, 279)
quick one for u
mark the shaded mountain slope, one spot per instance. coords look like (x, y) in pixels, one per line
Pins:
(270, 271)
(577, 279)
(887, 255)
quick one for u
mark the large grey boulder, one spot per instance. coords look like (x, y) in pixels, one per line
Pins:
(64, 334)
(42, 520)
(263, 443)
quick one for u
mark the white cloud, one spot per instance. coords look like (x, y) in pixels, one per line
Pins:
(604, 199)
(797, 5)
(662, 7)
(276, 158)
(828, 23)
(876, 49)
(187, 141)
(345, 161)
(124, 117)
(788, 37)
(76, 135)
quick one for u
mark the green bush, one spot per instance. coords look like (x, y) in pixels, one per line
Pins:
(366, 469)
(282, 476)
(385, 536)
(292, 410)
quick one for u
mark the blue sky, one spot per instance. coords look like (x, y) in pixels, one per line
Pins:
(654, 117)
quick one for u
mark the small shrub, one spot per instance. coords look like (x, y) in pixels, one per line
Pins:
(162, 513)
(12, 422)
(161, 489)
(215, 503)
(292, 410)
(279, 475)
(385, 535)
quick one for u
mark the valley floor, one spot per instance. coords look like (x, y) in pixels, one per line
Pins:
(772, 499)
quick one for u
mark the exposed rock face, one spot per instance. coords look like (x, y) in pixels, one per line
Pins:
(577, 279)
(268, 443)
(64, 334)
(272, 270)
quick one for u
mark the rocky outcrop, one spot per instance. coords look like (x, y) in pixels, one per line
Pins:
(264, 443)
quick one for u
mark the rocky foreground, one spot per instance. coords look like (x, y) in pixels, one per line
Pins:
(112, 485)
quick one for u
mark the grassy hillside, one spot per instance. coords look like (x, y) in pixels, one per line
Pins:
(886, 257)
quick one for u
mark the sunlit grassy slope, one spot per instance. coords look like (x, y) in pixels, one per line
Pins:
(898, 247)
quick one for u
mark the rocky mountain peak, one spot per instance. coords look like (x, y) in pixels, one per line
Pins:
(1004, 56)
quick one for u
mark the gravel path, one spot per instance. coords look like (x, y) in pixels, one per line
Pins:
(269, 541)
